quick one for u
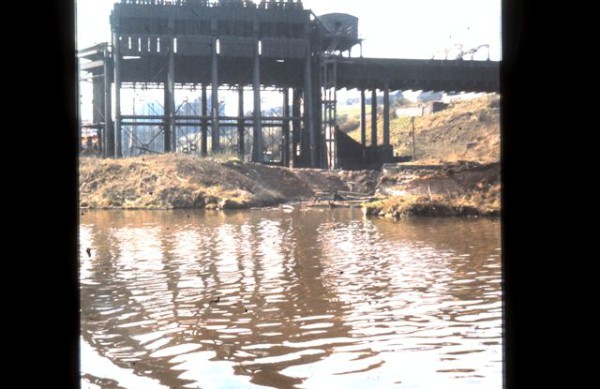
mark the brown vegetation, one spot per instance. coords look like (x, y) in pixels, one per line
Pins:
(182, 181)
(457, 170)
(462, 189)
(457, 173)
(467, 130)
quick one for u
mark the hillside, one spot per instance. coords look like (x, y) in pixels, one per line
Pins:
(457, 167)
(467, 130)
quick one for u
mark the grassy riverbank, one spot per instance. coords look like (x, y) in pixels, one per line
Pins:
(458, 174)
(451, 189)
(180, 181)
(467, 130)
(457, 170)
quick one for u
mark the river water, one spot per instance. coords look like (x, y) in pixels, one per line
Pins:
(300, 299)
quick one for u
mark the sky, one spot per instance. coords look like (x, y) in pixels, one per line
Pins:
(390, 28)
(419, 29)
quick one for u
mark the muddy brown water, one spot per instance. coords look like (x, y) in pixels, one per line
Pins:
(300, 299)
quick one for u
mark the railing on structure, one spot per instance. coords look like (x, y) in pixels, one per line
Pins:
(144, 133)
(269, 4)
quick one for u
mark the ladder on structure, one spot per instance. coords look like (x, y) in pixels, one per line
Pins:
(329, 108)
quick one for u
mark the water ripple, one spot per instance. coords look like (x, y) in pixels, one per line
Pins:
(289, 300)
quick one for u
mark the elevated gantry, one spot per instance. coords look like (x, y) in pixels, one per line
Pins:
(242, 45)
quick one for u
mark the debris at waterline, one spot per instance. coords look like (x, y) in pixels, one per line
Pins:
(177, 181)
(451, 189)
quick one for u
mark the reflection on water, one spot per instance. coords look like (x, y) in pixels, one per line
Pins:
(304, 299)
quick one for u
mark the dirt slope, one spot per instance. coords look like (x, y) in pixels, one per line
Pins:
(467, 130)
(448, 189)
(457, 172)
(182, 181)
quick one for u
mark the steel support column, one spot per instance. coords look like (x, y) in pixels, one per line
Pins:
(204, 124)
(118, 152)
(166, 117)
(240, 126)
(215, 101)
(98, 99)
(309, 109)
(363, 119)
(319, 135)
(109, 142)
(374, 118)
(386, 115)
(170, 130)
(295, 125)
(257, 146)
(285, 152)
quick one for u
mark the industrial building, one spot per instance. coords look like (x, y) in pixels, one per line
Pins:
(240, 45)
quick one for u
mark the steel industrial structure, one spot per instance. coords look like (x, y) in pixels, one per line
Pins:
(238, 44)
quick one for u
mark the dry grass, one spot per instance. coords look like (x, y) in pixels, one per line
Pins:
(467, 130)
(160, 181)
(459, 189)
(473, 203)
(181, 181)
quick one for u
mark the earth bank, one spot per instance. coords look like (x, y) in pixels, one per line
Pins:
(457, 173)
